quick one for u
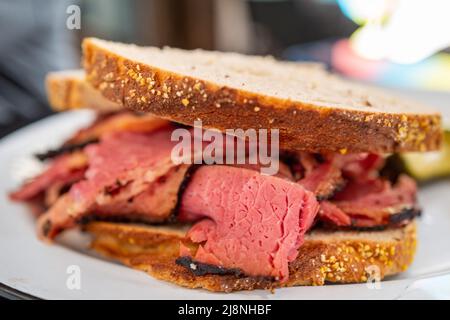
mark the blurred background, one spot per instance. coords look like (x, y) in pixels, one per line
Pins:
(394, 43)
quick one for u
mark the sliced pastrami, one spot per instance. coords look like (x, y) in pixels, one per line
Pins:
(327, 174)
(70, 162)
(323, 181)
(330, 213)
(250, 222)
(155, 204)
(61, 186)
(352, 194)
(388, 199)
(64, 149)
(64, 169)
(126, 173)
(372, 203)
(320, 175)
(361, 166)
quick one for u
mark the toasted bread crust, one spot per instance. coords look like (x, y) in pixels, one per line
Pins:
(302, 126)
(325, 257)
(67, 90)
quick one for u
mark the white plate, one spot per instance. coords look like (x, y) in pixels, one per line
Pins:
(35, 268)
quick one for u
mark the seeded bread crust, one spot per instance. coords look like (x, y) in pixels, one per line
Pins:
(67, 90)
(325, 257)
(303, 125)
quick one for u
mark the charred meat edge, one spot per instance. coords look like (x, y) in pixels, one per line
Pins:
(395, 220)
(406, 214)
(183, 185)
(67, 148)
(201, 269)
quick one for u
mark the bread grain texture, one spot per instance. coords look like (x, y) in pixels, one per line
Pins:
(313, 110)
(68, 90)
(325, 257)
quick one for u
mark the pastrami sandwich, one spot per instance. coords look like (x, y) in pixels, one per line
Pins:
(328, 214)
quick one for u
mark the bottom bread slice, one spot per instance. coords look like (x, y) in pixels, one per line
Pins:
(325, 256)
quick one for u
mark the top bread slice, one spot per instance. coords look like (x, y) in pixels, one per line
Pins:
(314, 110)
(67, 90)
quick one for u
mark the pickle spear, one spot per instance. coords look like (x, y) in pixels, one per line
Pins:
(428, 165)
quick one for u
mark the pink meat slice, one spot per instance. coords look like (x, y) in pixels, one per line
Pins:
(331, 213)
(323, 180)
(252, 222)
(59, 187)
(366, 201)
(122, 166)
(154, 204)
(379, 205)
(64, 169)
(361, 166)
(123, 158)
(326, 177)
(370, 203)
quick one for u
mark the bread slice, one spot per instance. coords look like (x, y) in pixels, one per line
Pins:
(68, 90)
(325, 257)
(313, 109)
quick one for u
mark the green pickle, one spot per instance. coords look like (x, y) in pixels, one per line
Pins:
(428, 165)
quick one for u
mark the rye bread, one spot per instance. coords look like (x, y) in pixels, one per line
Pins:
(67, 90)
(325, 257)
(314, 110)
